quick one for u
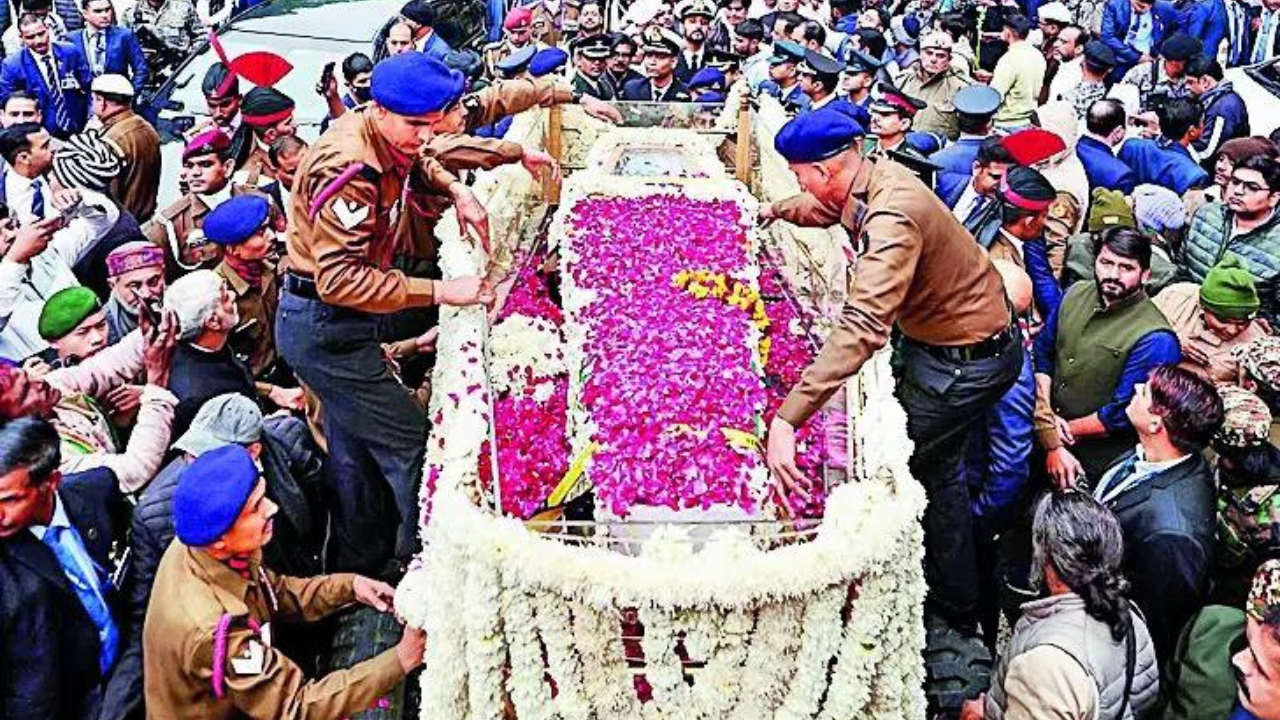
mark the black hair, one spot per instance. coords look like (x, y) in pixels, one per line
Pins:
(354, 64)
(814, 32)
(1268, 168)
(31, 443)
(285, 145)
(1018, 24)
(1125, 242)
(973, 124)
(29, 18)
(17, 139)
(1178, 116)
(84, 4)
(1203, 66)
(619, 39)
(993, 151)
(1188, 404)
(1104, 116)
(955, 24)
(28, 5)
(790, 21)
(21, 95)
(873, 41)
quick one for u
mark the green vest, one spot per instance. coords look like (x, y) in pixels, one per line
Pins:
(1092, 347)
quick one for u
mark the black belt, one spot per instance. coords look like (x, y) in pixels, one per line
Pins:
(980, 350)
(303, 287)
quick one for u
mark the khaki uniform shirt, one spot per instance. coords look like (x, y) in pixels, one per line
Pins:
(1180, 304)
(137, 185)
(254, 338)
(916, 266)
(347, 245)
(177, 229)
(940, 92)
(193, 592)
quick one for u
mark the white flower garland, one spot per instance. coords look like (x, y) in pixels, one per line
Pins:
(526, 682)
(555, 626)
(523, 348)
(770, 660)
(608, 685)
(822, 633)
(485, 648)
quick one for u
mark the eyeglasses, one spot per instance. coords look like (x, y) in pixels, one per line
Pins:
(1248, 185)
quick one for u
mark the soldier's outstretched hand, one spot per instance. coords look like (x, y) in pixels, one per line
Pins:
(472, 217)
(600, 110)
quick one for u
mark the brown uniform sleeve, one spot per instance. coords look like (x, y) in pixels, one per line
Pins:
(341, 244)
(1064, 215)
(467, 152)
(277, 689)
(806, 210)
(309, 599)
(1046, 427)
(510, 97)
(885, 271)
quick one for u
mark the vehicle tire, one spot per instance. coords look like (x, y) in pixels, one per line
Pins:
(957, 666)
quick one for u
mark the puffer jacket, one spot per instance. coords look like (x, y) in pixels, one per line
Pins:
(1225, 118)
(292, 468)
(1209, 239)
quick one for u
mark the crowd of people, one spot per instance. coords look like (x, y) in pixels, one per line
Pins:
(213, 410)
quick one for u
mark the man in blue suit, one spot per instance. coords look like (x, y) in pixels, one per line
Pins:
(1167, 161)
(1104, 130)
(55, 73)
(975, 106)
(108, 48)
(1207, 21)
(56, 598)
(1134, 29)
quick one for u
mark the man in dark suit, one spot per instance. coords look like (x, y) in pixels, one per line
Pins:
(1163, 496)
(108, 48)
(56, 73)
(1104, 126)
(975, 106)
(60, 638)
(1134, 30)
(660, 84)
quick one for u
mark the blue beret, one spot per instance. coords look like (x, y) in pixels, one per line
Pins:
(211, 493)
(979, 100)
(925, 143)
(547, 61)
(237, 219)
(413, 84)
(713, 96)
(818, 135)
(707, 77)
(516, 61)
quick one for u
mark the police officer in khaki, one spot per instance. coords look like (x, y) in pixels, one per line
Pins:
(960, 349)
(207, 643)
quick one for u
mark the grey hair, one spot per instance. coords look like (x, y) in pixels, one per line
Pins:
(1082, 541)
(194, 297)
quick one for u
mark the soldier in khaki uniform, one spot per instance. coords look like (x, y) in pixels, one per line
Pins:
(960, 348)
(207, 643)
(347, 199)
(139, 145)
(517, 30)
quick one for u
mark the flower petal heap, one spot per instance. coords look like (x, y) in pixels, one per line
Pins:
(668, 381)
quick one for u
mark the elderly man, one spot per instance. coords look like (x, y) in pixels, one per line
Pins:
(135, 273)
(67, 397)
(918, 270)
(1214, 319)
(137, 142)
(222, 520)
(935, 81)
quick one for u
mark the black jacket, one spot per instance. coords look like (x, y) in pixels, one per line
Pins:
(291, 465)
(48, 645)
(641, 90)
(198, 375)
(1168, 524)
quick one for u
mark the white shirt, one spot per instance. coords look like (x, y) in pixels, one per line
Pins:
(24, 287)
(1069, 75)
(969, 199)
(1112, 487)
(19, 194)
(1014, 241)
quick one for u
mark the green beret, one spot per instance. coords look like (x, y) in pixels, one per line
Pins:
(1228, 290)
(65, 310)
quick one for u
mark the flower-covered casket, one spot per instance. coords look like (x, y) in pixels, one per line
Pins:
(601, 539)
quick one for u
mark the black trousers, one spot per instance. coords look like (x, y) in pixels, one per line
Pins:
(945, 401)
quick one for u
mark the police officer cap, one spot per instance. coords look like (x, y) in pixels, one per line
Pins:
(723, 61)
(1098, 55)
(419, 11)
(785, 51)
(1026, 188)
(467, 62)
(749, 30)
(211, 493)
(815, 63)
(860, 62)
(112, 84)
(547, 61)
(517, 61)
(265, 106)
(414, 84)
(595, 47)
(660, 41)
(707, 78)
(219, 82)
(237, 219)
(818, 135)
(1180, 47)
(977, 100)
(891, 99)
(690, 8)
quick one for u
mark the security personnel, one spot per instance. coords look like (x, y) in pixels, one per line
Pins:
(860, 72)
(892, 114)
(516, 64)
(975, 106)
(208, 651)
(268, 116)
(820, 80)
(517, 30)
(783, 82)
(960, 348)
(936, 82)
(660, 84)
(589, 56)
(242, 227)
(346, 202)
(707, 85)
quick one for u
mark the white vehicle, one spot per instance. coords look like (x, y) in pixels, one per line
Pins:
(1259, 86)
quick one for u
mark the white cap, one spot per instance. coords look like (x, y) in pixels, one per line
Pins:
(112, 85)
(1055, 12)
